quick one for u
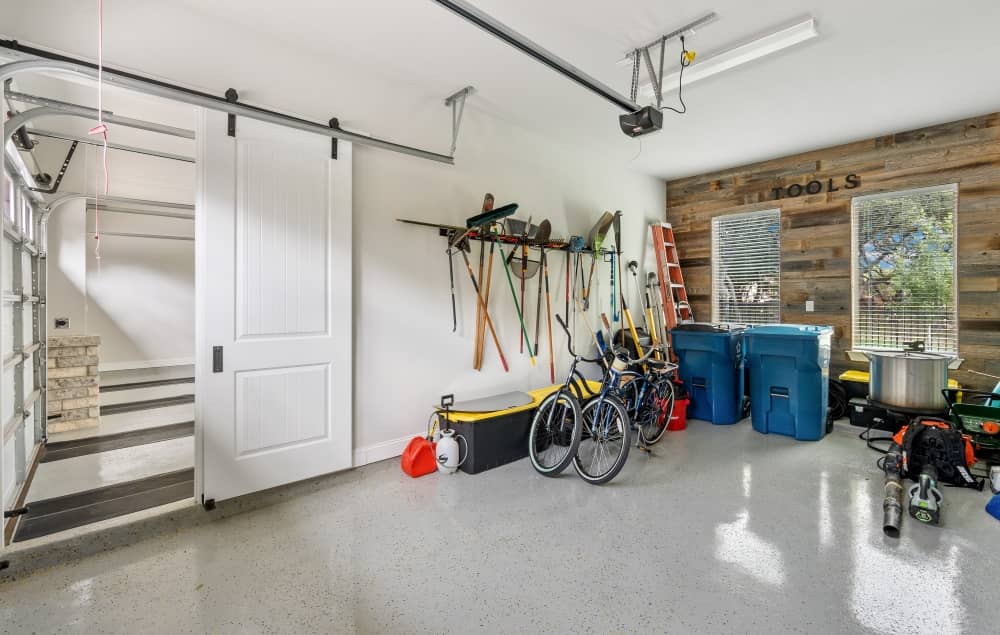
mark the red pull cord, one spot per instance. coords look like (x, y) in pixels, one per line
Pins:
(100, 129)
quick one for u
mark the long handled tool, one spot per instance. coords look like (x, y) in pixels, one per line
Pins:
(616, 222)
(487, 286)
(569, 256)
(647, 316)
(517, 307)
(548, 316)
(524, 275)
(482, 304)
(451, 276)
(594, 333)
(594, 241)
(541, 237)
(477, 354)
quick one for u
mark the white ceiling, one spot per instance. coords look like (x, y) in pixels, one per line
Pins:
(878, 67)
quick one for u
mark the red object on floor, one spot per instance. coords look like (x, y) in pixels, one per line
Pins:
(678, 419)
(418, 457)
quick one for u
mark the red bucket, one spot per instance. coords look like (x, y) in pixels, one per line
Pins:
(678, 418)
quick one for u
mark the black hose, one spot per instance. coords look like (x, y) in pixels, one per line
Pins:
(837, 404)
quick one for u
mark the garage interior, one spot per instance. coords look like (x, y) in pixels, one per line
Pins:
(442, 315)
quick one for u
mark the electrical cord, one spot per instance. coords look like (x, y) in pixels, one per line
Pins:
(866, 436)
(685, 62)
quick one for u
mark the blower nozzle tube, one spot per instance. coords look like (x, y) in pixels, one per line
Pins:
(892, 504)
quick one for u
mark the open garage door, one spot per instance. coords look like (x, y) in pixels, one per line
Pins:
(274, 286)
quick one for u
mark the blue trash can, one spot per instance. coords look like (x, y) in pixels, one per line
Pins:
(709, 362)
(789, 368)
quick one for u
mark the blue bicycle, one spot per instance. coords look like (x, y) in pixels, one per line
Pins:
(597, 435)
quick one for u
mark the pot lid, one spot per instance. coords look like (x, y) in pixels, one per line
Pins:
(911, 355)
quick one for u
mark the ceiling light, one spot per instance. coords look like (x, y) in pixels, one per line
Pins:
(738, 55)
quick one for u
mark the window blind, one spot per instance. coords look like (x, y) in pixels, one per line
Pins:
(904, 269)
(746, 268)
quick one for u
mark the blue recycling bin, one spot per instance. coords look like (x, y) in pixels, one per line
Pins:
(789, 368)
(708, 356)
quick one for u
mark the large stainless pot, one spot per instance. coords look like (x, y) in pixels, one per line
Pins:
(908, 379)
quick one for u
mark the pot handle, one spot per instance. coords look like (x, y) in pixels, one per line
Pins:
(916, 346)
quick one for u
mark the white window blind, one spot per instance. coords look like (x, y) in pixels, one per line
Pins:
(746, 268)
(904, 269)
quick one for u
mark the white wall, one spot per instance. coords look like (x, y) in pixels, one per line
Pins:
(140, 297)
(405, 353)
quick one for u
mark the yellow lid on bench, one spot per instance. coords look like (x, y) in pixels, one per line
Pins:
(537, 395)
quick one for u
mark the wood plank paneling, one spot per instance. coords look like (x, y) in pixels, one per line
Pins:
(816, 229)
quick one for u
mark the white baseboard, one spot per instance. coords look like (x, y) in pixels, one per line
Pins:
(145, 363)
(382, 450)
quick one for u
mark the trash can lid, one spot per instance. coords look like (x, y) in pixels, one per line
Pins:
(707, 327)
(790, 330)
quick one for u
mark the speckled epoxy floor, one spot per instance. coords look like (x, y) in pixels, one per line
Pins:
(722, 531)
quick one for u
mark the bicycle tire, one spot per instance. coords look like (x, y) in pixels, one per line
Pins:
(541, 440)
(590, 466)
(660, 400)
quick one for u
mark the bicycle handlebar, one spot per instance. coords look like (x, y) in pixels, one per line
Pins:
(569, 343)
(631, 362)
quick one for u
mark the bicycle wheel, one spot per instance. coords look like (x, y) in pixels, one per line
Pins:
(555, 433)
(630, 389)
(607, 436)
(656, 410)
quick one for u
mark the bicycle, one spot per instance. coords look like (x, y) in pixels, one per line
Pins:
(556, 428)
(607, 426)
(649, 398)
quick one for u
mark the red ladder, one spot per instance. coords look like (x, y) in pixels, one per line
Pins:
(673, 293)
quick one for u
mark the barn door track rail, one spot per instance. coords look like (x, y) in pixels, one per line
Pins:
(39, 60)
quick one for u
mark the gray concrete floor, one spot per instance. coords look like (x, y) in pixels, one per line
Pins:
(723, 530)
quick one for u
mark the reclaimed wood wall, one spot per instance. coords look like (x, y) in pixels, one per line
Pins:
(816, 229)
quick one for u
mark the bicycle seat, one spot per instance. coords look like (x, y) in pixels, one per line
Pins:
(659, 365)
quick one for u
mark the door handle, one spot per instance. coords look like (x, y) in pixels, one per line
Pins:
(216, 359)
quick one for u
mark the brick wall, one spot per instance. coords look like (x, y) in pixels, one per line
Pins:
(73, 382)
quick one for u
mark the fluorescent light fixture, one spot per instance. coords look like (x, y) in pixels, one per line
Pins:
(738, 55)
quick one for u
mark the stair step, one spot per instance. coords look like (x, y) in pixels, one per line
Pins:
(147, 384)
(91, 445)
(52, 515)
(146, 404)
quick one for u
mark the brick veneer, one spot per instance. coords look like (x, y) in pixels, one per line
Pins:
(73, 382)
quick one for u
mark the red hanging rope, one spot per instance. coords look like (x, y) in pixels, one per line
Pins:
(100, 129)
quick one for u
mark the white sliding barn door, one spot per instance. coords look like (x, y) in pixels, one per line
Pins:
(275, 293)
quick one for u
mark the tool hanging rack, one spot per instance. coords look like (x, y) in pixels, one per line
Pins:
(447, 231)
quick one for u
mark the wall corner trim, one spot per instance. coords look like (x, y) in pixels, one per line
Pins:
(383, 450)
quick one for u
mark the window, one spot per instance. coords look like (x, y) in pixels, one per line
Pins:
(904, 269)
(746, 268)
(9, 198)
(27, 218)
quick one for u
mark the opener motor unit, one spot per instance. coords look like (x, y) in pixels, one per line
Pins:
(642, 121)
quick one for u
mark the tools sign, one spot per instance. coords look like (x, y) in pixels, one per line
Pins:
(816, 186)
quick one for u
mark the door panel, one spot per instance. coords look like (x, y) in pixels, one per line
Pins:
(277, 216)
(281, 407)
(283, 240)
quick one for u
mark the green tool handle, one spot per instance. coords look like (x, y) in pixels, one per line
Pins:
(517, 306)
